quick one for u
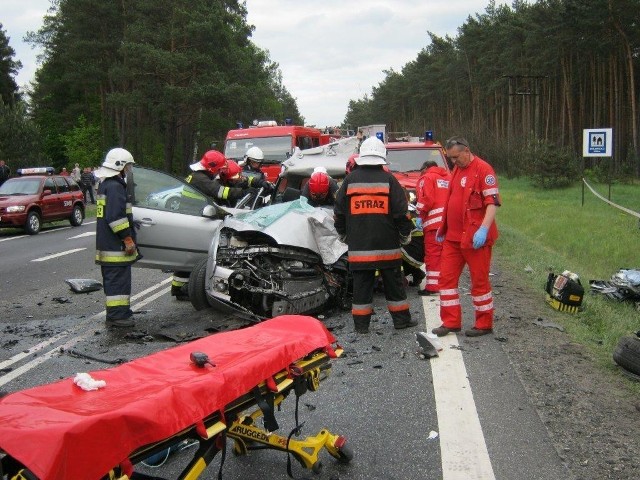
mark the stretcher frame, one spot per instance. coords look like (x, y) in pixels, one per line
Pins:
(301, 376)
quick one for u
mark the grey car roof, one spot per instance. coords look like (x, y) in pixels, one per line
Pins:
(332, 156)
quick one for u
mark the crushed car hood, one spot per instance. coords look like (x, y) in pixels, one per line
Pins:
(296, 224)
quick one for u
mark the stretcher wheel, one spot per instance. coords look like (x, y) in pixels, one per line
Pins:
(345, 454)
(317, 467)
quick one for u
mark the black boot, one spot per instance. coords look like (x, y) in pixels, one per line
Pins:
(361, 325)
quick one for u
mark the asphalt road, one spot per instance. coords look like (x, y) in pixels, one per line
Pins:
(462, 415)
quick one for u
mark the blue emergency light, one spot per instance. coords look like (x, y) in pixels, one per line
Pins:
(239, 125)
(380, 136)
(428, 136)
(288, 121)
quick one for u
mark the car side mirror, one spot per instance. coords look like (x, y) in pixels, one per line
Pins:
(209, 211)
(46, 192)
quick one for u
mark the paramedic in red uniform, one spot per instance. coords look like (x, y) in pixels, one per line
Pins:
(432, 192)
(468, 233)
(371, 216)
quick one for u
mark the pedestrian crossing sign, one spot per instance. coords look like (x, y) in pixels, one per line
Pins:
(597, 142)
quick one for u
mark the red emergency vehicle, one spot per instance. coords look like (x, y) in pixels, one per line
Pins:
(407, 154)
(277, 142)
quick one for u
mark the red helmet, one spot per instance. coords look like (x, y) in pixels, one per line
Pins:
(351, 163)
(319, 184)
(213, 161)
(230, 172)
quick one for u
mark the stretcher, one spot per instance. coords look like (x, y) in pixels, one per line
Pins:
(211, 390)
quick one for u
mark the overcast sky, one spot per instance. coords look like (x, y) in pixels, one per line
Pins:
(329, 51)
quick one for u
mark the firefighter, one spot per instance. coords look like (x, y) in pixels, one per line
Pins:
(116, 248)
(468, 231)
(231, 176)
(432, 192)
(252, 170)
(351, 164)
(371, 217)
(321, 189)
(204, 177)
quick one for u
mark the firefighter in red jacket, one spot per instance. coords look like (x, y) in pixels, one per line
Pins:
(371, 216)
(432, 192)
(468, 232)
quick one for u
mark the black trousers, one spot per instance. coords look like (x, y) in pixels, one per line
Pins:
(394, 292)
(117, 287)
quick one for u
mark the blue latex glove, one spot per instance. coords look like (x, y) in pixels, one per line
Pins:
(439, 236)
(480, 237)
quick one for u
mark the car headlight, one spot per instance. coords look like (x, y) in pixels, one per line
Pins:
(15, 208)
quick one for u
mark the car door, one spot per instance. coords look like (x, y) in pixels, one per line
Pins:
(64, 198)
(51, 204)
(171, 232)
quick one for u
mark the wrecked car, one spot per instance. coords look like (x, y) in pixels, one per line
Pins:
(277, 259)
(281, 259)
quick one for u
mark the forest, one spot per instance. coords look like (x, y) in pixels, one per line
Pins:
(164, 79)
(168, 79)
(521, 82)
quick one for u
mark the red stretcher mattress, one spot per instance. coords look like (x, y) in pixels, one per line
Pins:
(60, 431)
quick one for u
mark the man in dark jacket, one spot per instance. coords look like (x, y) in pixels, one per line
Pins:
(371, 215)
(5, 172)
(116, 249)
(86, 183)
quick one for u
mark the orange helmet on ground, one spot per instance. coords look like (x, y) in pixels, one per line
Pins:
(230, 172)
(213, 161)
(351, 163)
(319, 184)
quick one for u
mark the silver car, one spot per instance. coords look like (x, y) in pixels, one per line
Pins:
(281, 258)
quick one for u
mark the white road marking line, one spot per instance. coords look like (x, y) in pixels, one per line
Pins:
(462, 446)
(86, 234)
(13, 238)
(87, 333)
(56, 255)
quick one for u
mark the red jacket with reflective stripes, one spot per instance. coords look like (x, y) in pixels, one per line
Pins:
(432, 192)
(480, 189)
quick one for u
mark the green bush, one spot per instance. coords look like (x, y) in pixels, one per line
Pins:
(550, 166)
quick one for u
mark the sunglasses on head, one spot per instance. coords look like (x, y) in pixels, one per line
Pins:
(452, 142)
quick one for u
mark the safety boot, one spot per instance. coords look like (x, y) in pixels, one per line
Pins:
(441, 331)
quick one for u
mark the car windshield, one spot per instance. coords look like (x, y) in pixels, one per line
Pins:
(20, 186)
(411, 160)
(275, 149)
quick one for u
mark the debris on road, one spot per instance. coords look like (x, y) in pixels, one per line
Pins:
(77, 354)
(540, 322)
(83, 285)
(428, 347)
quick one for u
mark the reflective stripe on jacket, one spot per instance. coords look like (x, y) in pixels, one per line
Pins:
(371, 209)
(114, 222)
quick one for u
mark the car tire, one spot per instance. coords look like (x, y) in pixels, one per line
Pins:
(33, 223)
(627, 354)
(77, 216)
(197, 293)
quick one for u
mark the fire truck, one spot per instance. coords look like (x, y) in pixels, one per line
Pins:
(277, 142)
(406, 154)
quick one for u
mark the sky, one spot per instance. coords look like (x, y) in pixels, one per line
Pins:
(329, 51)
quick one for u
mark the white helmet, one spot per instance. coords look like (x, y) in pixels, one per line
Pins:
(114, 162)
(372, 152)
(255, 153)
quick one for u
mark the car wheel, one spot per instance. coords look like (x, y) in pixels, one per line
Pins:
(33, 225)
(197, 293)
(77, 217)
(627, 354)
(172, 204)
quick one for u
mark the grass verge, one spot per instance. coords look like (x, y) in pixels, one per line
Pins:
(551, 230)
